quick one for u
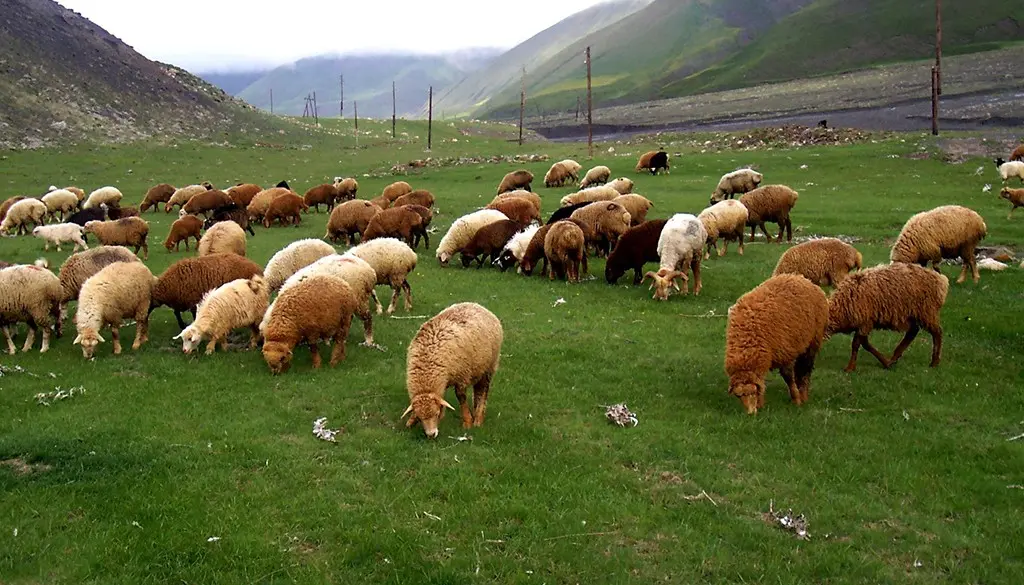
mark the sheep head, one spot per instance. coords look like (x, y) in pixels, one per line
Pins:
(1005, 193)
(190, 338)
(751, 394)
(278, 356)
(427, 409)
(88, 339)
(663, 281)
(505, 260)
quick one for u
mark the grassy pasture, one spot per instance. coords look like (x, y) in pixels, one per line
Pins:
(903, 474)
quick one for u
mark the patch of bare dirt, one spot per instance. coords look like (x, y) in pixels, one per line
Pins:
(21, 467)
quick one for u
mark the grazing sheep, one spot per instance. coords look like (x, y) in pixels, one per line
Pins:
(644, 162)
(602, 222)
(260, 203)
(81, 265)
(182, 229)
(155, 195)
(395, 190)
(381, 201)
(78, 191)
(392, 260)
(232, 212)
(317, 308)
(680, 248)
(1008, 170)
(131, 232)
(108, 195)
(205, 202)
(357, 273)
(350, 217)
(115, 212)
(559, 175)
(397, 222)
(659, 161)
(636, 205)
(460, 347)
(225, 237)
(118, 291)
(623, 185)
(574, 168)
(591, 195)
(1018, 153)
(948, 231)
(347, 189)
(58, 233)
(292, 257)
(418, 197)
(324, 194)
(286, 209)
(6, 205)
(726, 220)
(21, 214)
(242, 194)
(598, 175)
(780, 324)
(183, 194)
(515, 181)
(770, 203)
(566, 212)
(488, 241)
(1014, 196)
(181, 287)
(534, 253)
(519, 210)
(232, 305)
(515, 248)
(86, 215)
(823, 261)
(894, 297)
(565, 250)
(462, 231)
(736, 182)
(60, 201)
(32, 294)
(427, 217)
(636, 247)
(533, 198)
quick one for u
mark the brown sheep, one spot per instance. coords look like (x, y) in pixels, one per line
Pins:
(1018, 153)
(894, 297)
(260, 203)
(770, 203)
(381, 201)
(397, 222)
(115, 212)
(519, 210)
(205, 202)
(515, 180)
(181, 195)
(285, 208)
(636, 247)
(350, 217)
(948, 231)
(78, 191)
(535, 252)
(417, 197)
(184, 283)
(488, 241)
(324, 194)
(558, 175)
(824, 261)
(533, 198)
(565, 250)
(80, 266)
(1014, 196)
(602, 222)
(316, 308)
(636, 205)
(427, 216)
(6, 205)
(347, 189)
(182, 229)
(780, 325)
(131, 232)
(241, 195)
(645, 160)
(395, 190)
(155, 195)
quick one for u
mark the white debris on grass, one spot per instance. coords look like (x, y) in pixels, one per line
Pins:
(991, 264)
(560, 301)
(787, 521)
(986, 188)
(323, 433)
(58, 394)
(620, 415)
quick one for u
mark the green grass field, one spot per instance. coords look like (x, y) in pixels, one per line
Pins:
(203, 469)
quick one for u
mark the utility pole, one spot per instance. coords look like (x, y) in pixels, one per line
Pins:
(430, 118)
(938, 46)
(590, 111)
(316, 115)
(522, 105)
(271, 100)
(341, 102)
(577, 108)
(394, 109)
(935, 100)
(355, 119)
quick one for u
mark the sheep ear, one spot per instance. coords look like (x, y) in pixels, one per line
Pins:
(100, 338)
(77, 340)
(179, 336)
(407, 411)
(444, 403)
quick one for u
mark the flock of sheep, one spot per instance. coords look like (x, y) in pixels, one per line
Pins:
(780, 324)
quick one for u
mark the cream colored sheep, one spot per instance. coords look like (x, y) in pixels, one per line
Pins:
(236, 304)
(599, 193)
(724, 220)
(109, 195)
(222, 237)
(558, 175)
(598, 175)
(118, 291)
(623, 185)
(58, 233)
(21, 214)
(823, 261)
(636, 205)
(60, 202)
(32, 294)
(392, 260)
(181, 196)
(680, 249)
(462, 231)
(948, 231)
(292, 257)
(602, 223)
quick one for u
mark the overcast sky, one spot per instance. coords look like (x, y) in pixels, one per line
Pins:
(207, 35)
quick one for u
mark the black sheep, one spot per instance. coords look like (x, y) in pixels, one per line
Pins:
(233, 213)
(564, 212)
(659, 161)
(636, 247)
(91, 214)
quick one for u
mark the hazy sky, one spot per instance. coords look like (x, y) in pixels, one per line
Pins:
(205, 35)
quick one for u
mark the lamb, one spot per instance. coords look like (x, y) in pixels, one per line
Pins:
(118, 212)
(396, 222)
(30, 293)
(623, 185)
(636, 247)
(462, 231)
(566, 212)
(947, 231)
(681, 248)
(417, 197)
(80, 266)
(726, 220)
(736, 182)
(395, 190)
(1014, 196)
(347, 188)
(182, 229)
(1008, 170)
(392, 260)
(559, 174)
(130, 232)
(894, 297)
(515, 248)
(60, 201)
(460, 347)
(108, 195)
(285, 208)
(823, 261)
(205, 202)
(225, 237)
(636, 205)
(516, 180)
(533, 198)
(319, 307)
(1017, 154)
(427, 217)
(350, 217)
(260, 203)
(598, 175)
(519, 210)
(324, 194)
(659, 161)
(155, 195)
(489, 241)
(603, 221)
(232, 212)
(183, 194)
(120, 290)
(292, 257)
(6, 205)
(242, 194)
(565, 250)
(770, 203)
(591, 195)
(182, 286)
(58, 233)
(235, 304)
(21, 214)
(780, 324)
(644, 163)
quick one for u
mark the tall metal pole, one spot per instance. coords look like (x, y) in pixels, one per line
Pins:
(430, 118)
(935, 100)
(394, 109)
(938, 46)
(316, 114)
(590, 111)
(271, 100)
(355, 118)
(522, 106)
(341, 102)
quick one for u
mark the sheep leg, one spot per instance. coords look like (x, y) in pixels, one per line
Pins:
(905, 343)
(803, 368)
(313, 349)
(30, 338)
(254, 339)
(367, 318)
(145, 250)
(181, 322)
(480, 391)
(10, 341)
(46, 340)
(695, 267)
(936, 332)
(788, 376)
(408, 295)
(380, 307)
(115, 336)
(141, 331)
(586, 269)
(874, 351)
(854, 349)
(338, 353)
(467, 417)
(396, 292)
(970, 259)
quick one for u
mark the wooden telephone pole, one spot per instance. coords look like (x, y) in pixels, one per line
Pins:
(522, 105)
(590, 111)
(430, 118)
(937, 68)
(271, 101)
(341, 100)
(394, 109)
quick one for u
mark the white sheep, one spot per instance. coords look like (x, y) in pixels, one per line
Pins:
(1007, 170)
(21, 213)
(222, 237)
(59, 233)
(30, 293)
(292, 257)
(736, 183)
(60, 201)
(120, 290)
(392, 260)
(598, 175)
(623, 185)
(680, 247)
(239, 303)
(726, 220)
(462, 231)
(109, 195)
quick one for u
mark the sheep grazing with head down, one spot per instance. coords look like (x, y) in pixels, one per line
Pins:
(81, 265)
(182, 286)
(392, 260)
(658, 162)
(232, 212)
(22, 213)
(59, 233)
(512, 253)
(347, 189)
(590, 195)
(60, 202)
(286, 209)
(516, 180)
(780, 324)
(1008, 170)
(534, 252)
(131, 232)
(156, 195)
(115, 212)
(109, 195)
(823, 261)
(242, 194)
(567, 211)
(736, 183)
(565, 250)
(181, 195)
(205, 202)
(724, 220)
(395, 190)
(1018, 153)
(260, 203)
(894, 297)
(420, 197)
(349, 218)
(623, 185)
(225, 237)
(559, 175)
(598, 175)
(462, 231)
(232, 305)
(770, 203)
(32, 294)
(644, 162)
(489, 241)
(182, 229)
(6, 205)
(325, 194)
(120, 290)
(636, 247)
(396, 222)
(574, 168)
(948, 231)
(681, 249)
(533, 198)
(460, 347)
(603, 223)
(288, 260)
(1014, 196)
(636, 205)
(519, 210)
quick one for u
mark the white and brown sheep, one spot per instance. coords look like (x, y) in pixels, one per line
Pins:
(598, 175)
(947, 231)
(181, 195)
(462, 231)
(736, 183)
(680, 249)
(636, 205)
(288, 260)
(181, 287)
(725, 220)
